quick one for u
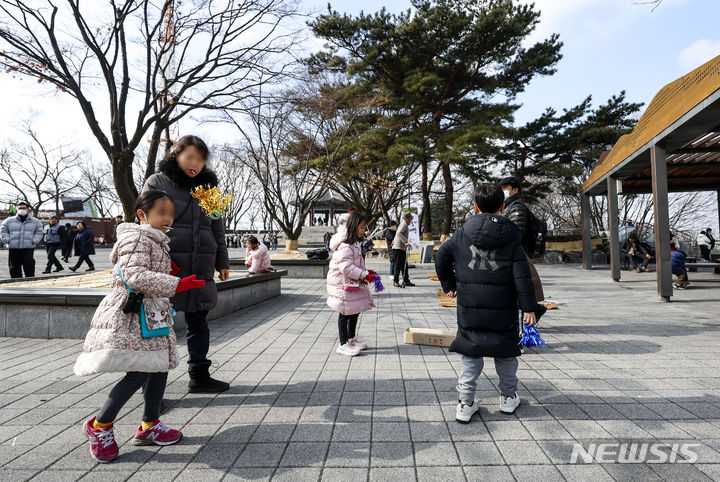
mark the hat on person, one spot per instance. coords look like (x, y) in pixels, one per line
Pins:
(511, 181)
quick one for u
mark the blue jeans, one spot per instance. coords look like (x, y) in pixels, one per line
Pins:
(471, 368)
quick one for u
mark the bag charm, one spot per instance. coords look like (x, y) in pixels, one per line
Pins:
(158, 311)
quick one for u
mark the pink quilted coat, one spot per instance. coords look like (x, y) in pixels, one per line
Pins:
(347, 262)
(258, 260)
(114, 342)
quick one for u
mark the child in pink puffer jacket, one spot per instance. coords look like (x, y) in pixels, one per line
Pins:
(257, 257)
(348, 264)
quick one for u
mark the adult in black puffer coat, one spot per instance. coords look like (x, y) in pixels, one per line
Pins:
(484, 262)
(197, 246)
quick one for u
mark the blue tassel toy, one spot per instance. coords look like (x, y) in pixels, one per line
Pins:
(531, 338)
(378, 284)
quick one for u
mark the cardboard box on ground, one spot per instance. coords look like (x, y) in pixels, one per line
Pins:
(425, 336)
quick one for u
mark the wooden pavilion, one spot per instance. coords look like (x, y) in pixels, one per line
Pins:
(675, 147)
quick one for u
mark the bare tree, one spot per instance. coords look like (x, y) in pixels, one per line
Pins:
(291, 143)
(148, 56)
(39, 172)
(96, 184)
(235, 177)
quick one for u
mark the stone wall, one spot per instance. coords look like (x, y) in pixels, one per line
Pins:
(67, 312)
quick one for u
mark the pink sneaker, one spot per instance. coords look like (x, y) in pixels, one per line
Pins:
(158, 434)
(357, 343)
(103, 447)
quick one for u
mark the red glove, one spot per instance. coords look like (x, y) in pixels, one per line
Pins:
(175, 269)
(370, 277)
(188, 283)
(372, 272)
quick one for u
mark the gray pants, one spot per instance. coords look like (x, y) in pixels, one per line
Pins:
(471, 368)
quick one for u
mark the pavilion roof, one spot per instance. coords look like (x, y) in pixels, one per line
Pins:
(684, 118)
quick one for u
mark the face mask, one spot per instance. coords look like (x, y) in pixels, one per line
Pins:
(22, 212)
(506, 194)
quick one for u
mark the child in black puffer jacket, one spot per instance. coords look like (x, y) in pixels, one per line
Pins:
(485, 266)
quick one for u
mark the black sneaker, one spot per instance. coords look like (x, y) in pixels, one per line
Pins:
(207, 385)
(396, 284)
(407, 283)
(47, 271)
(57, 270)
(91, 269)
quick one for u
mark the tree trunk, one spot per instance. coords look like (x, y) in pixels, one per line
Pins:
(426, 215)
(449, 191)
(124, 184)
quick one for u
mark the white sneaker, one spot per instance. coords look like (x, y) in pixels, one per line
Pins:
(464, 413)
(348, 350)
(508, 404)
(354, 342)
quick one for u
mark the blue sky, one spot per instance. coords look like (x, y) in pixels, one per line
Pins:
(610, 45)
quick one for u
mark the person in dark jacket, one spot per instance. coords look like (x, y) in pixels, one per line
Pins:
(634, 251)
(677, 264)
(53, 238)
(517, 211)
(118, 222)
(485, 267)
(67, 239)
(197, 246)
(84, 247)
(389, 235)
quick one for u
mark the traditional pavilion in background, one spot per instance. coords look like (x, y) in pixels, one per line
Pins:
(326, 208)
(675, 147)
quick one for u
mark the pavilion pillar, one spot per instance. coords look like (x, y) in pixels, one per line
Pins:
(332, 215)
(586, 232)
(658, 165)
(312, 217)
(613, 220)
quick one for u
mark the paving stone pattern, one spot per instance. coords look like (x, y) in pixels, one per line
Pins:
(620, 367)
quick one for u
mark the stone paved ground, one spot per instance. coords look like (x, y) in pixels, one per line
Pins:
(620, 367)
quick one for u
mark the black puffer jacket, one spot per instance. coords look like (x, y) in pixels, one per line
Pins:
(517, 211)
(485, 262)
(197, 243)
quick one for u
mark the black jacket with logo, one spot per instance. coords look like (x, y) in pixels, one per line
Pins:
(485, 263)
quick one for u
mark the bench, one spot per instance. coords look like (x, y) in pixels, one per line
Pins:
(693, 267)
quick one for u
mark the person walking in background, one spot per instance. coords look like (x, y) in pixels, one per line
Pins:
(198, 246)
(67, 238)
(84, 247)
(273, 241)
(389, 235)
(21, 234)
(517, 211)
(400, 245)
(53, 238)
(118, 222)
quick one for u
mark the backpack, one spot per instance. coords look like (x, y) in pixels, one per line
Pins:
(319, 253)
(535, 235)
